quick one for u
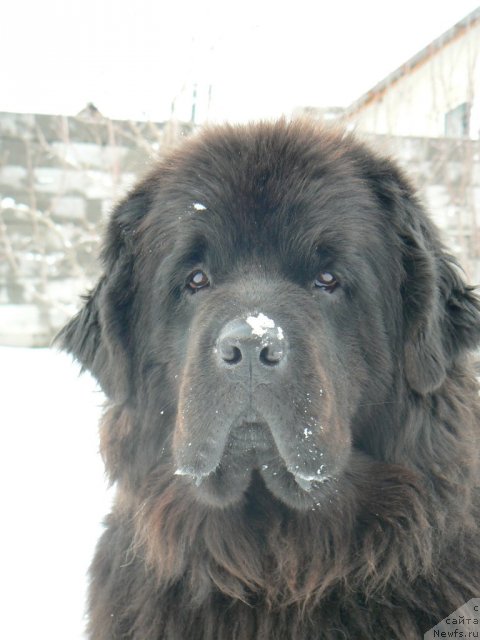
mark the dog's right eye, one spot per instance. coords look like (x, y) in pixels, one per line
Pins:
(326, 281)
(198, 279)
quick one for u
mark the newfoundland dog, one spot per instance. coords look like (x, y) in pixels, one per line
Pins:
(293, 420)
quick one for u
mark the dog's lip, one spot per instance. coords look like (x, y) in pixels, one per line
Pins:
(308, 482)
(197, 478)
(251, 434)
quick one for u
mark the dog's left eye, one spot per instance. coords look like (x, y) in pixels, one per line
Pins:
(326, 281)
(198, 279)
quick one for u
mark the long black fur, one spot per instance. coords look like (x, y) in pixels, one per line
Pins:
(391, 545)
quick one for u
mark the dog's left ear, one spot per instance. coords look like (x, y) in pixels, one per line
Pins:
(99, 335)
(447, 326)
(441, 312)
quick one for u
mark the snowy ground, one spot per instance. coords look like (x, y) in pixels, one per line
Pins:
(53, 493)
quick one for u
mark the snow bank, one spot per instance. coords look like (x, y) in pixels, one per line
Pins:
(53, 492)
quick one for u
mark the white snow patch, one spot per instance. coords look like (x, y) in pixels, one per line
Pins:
(198, 479)
(199, 207)
(260, 323)
(50, 417)
(7, 203)
(305, 482)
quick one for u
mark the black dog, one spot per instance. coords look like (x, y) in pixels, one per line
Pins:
(293, 427)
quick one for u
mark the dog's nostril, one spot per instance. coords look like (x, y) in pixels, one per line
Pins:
(247, 347)
(270, 356)
(231, 354)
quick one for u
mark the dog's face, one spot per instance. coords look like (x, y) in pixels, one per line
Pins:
(279, 323)
(267, 292)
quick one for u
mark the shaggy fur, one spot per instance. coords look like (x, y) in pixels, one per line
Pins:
(314, 478)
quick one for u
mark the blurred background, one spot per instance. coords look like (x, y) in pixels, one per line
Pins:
(90, 93)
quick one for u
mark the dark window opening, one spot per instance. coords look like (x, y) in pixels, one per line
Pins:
(457, 121)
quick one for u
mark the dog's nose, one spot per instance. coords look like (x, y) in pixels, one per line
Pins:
(254, 341)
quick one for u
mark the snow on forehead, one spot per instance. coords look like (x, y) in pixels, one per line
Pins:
(260, 323)
(198, 206)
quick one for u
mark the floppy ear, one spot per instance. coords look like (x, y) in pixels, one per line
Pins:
(99, 335)
(441, 313)
(440, 331)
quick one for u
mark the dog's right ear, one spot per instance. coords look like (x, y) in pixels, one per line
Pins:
(99, 335)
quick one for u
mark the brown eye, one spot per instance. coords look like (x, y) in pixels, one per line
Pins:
(326, 281)
(197, 280)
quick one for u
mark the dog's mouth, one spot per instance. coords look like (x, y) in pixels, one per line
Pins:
(251, 450)
(296, 438)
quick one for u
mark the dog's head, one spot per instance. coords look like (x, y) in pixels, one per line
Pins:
(269, 292)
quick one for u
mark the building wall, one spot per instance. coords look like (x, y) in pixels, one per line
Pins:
(446, 173)
(416, 103)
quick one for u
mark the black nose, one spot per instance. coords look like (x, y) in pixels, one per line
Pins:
(252, 341)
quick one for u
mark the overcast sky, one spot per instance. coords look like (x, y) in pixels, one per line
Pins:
(260, 58)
